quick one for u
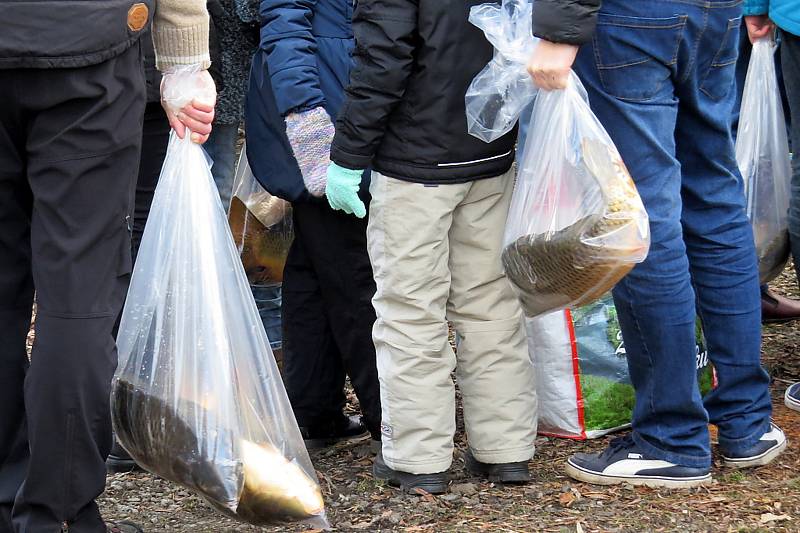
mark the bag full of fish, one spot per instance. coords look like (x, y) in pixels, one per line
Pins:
(197, 398)
(762, 153)
(576, 224)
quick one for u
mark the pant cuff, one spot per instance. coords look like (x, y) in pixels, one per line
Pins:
(419, 467)
(514, 455)
(691, 461)
(740, 445)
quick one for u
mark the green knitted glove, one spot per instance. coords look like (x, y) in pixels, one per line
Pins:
(342, 190)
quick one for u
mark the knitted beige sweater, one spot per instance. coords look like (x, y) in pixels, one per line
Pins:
(180, 33)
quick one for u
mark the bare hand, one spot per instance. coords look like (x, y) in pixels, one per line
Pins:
(551, 63)
(188, 96)
(758, 27)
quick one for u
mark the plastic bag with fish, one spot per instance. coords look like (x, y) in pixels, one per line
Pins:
(762, 153)
(261, 225)
(498, 94)
(576, 224)
(197, 398)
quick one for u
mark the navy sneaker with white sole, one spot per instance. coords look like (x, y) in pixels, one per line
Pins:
(769, 446)
(624, 462)
(792, 397)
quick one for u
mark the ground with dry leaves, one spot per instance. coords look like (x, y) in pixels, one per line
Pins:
(765, 499)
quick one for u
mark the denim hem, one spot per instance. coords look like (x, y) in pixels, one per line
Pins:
(743, 444)
(691, 461)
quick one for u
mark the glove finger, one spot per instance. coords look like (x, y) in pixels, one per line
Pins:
(359, 209)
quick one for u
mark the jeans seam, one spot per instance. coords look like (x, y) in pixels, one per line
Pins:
(691, 461)
(693, 58)
(750, 440)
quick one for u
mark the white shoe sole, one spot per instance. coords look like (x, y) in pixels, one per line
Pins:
(759, 460)
(588, 476)
(790, 402)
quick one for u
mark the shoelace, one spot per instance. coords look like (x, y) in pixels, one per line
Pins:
(616, 445)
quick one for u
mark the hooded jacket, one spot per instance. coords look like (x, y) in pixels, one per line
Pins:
(784, 13)
(303, 62)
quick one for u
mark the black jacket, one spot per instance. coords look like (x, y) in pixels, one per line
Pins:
(565, 21)
(404, 112)
(65, 33)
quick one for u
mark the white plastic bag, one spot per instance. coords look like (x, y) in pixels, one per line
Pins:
(261, 225)
(197, 398)
(576, 224)
(762, 153)
(498, 94)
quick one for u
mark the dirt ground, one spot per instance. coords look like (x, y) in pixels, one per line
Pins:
(765, 499)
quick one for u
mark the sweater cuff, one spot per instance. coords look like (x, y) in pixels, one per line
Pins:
(181, 46)
(756, 7)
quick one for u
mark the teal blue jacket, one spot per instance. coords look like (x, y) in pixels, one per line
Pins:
(784, 13)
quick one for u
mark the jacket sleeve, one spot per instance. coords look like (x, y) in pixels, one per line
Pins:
(385, 33)
(291, 54)
(180, 33)
(565, 21)
(756, 7)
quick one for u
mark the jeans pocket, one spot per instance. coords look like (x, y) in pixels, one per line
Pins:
(635, 56)
(718, 79)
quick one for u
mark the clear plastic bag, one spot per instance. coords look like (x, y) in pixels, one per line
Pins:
(762, 153)
(576, 224)
(261, 225)
(498, 94)
(197, 398)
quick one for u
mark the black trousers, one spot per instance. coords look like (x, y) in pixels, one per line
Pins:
(328, 317)
(69, 155)
(155, 138)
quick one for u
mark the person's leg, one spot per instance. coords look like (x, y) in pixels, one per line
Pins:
(82, 153)
(221, 147)
(409, 250)
(790, 63)
(719, 239)
(337, 245)
(494, 369)
(312, 366)
(155, 138)
(16, 298)
(655, 301)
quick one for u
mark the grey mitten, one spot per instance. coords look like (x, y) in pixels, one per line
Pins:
(310, 135)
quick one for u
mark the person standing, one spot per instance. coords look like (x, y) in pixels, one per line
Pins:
(762, 18)
(70, 136)
(659, 76)
(440, 199)
(296, 85)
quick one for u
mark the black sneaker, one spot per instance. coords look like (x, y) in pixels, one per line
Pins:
(123, 526)
(344, 428)
(624, 462)
(498, 472)
(430, 483)
(119, 461)
(770, 446)
(792, 397)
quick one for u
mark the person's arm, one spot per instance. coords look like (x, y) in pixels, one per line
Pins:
(291, 54)
(757, 19)
(385, 33)
(180, 38)
(562, 26)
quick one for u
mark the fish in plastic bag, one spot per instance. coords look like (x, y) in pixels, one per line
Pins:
(261, 225)
(197, 398)
(762, 153)
(499, 93)
(576, 224)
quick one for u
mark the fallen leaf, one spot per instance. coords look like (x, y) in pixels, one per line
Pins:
(766, 518)
(566, 499)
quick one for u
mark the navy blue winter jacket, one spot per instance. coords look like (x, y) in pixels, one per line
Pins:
(303, 61)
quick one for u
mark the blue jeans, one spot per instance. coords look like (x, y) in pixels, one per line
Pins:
(268, 301)
(660, 74)
(221, 148)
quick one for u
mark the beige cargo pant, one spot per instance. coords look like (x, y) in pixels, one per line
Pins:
(435, 253)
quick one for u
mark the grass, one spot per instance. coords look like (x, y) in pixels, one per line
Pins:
(606, 404)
